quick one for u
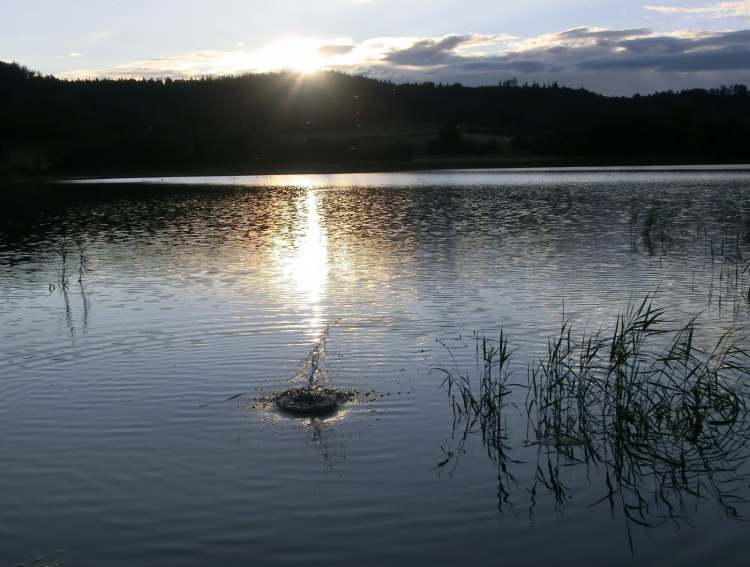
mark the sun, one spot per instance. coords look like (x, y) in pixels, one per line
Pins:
(300, 55)
(307, 67)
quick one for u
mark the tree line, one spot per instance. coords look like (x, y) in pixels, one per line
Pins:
(280, 119)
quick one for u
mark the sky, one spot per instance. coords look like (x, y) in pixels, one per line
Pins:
(613, 46)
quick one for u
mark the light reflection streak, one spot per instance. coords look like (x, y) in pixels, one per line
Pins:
(305, 263)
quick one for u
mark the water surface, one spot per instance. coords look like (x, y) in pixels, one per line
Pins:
(201, 289)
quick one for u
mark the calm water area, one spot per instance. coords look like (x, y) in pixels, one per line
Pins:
(120, 444)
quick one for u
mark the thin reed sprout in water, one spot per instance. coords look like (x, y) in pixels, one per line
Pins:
(660, 421)
(64, 249)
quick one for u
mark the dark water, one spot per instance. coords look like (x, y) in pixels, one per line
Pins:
(110, 455)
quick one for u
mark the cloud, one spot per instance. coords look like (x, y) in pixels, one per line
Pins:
(613, 61)
(189, 65)
(75, 54)
(732, 9)
(427, 52)
(335, 49)
(440, 51)
(301, 54)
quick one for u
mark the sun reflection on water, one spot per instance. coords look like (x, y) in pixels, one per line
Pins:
(305, 265)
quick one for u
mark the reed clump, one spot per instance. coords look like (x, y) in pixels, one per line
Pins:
(661, 418)
(620, 385)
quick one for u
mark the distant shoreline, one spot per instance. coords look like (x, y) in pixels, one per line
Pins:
(416, 165)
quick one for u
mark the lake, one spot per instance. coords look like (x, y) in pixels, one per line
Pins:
(133, 428)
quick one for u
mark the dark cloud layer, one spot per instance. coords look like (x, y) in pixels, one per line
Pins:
(584, 57)
(582, 49)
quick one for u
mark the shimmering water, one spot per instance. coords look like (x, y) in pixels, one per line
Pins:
(114, 452)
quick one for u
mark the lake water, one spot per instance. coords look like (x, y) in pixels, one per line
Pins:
(120, 446)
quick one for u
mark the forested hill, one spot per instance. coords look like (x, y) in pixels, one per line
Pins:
(278, 120)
